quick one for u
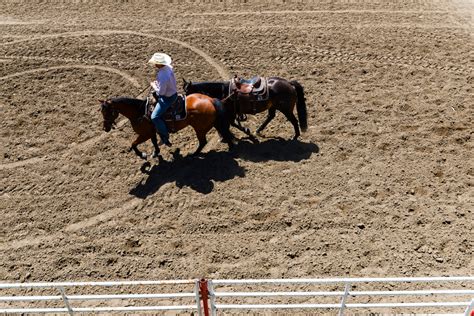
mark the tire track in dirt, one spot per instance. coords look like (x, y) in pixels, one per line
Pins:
(220, 69)
(417, 61)
(9, 21)
(95, 220)
(93, 67)
(316, 12)
(65, 153)
(41, 240)
(10, 58)
(103, 217)
(387, 27)
(407, 60)
(85, 143)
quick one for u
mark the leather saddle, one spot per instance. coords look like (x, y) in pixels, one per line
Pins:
(256, 86)
(250, 92)
(176, 112)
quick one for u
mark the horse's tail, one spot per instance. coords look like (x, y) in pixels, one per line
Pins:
(301, 105)
(222, 123)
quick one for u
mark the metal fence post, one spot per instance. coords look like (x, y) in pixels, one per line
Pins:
(212, 297)
(469, 309)
(343, 299)
(65, 300)
(198, 297)
(204, 296)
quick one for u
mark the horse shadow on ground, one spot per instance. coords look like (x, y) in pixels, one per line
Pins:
(200, 172)
(196, 172)
(278, 149)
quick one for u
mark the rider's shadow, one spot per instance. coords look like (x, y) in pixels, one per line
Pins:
(277, 149)
(197, 173)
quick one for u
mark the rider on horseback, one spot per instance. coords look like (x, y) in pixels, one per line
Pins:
(165, 92)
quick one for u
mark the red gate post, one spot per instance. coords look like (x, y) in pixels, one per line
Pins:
(203, 291)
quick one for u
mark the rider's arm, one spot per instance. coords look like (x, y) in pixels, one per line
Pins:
(155, 85)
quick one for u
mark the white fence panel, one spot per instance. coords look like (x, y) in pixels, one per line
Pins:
(442, 299)
(93, 301)
(208, 297)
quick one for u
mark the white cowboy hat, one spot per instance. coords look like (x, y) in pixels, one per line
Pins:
(160, 59)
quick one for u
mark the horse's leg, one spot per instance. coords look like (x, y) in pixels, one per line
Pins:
(292, 118)
(156, 152)
(244, 129)
(270, 116)
(140, 139)
(201, 136)
(201, 131)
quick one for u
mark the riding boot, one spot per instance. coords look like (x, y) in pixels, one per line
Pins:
(165, 140)
(167, 143)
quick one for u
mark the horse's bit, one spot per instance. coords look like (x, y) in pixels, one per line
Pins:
(111, 118)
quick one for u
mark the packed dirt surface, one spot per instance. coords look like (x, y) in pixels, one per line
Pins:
(380, 185)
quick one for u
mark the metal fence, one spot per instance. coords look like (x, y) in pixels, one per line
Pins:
(208, 297)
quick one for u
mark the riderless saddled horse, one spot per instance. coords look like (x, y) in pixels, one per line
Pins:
(257, 95)
(197, 110)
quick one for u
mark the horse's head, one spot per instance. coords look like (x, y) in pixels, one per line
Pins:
(110, 114)
(187, 87)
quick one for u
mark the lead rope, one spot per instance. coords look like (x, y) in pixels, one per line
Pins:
(147, 87)
(147, 100)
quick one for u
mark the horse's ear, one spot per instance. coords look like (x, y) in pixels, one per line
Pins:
(101, 101)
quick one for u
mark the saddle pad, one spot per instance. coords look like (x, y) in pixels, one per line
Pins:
(177, 111)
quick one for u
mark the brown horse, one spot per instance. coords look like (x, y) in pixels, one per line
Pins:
(283, 95)
(203, 113)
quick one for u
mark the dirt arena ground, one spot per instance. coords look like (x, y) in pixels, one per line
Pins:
(381, 184)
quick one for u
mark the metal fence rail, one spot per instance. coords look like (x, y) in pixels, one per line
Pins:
(459, 299)
(193, 296)
(201, 296)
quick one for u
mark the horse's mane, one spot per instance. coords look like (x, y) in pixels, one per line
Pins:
(203, 83)
(128, 101)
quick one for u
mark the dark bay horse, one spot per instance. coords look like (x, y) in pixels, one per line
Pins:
(283, 96)
(203, 113)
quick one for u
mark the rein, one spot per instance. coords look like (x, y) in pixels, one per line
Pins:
(114, 113)
(229, 96)
(147, 87)
(241, 117)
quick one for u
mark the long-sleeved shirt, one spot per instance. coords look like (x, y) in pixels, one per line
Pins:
(166, 82)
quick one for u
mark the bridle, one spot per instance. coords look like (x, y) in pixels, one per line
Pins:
(111, 116)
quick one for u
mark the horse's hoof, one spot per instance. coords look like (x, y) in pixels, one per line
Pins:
(196, 154)
(156, 154)
(143, 156)
(232, 144)
(160, 158)
(145, 168)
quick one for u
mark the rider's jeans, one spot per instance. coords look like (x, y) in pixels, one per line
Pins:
(162, 105)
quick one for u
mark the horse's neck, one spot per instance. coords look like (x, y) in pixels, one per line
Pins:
(129, 110)
(217, 89)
